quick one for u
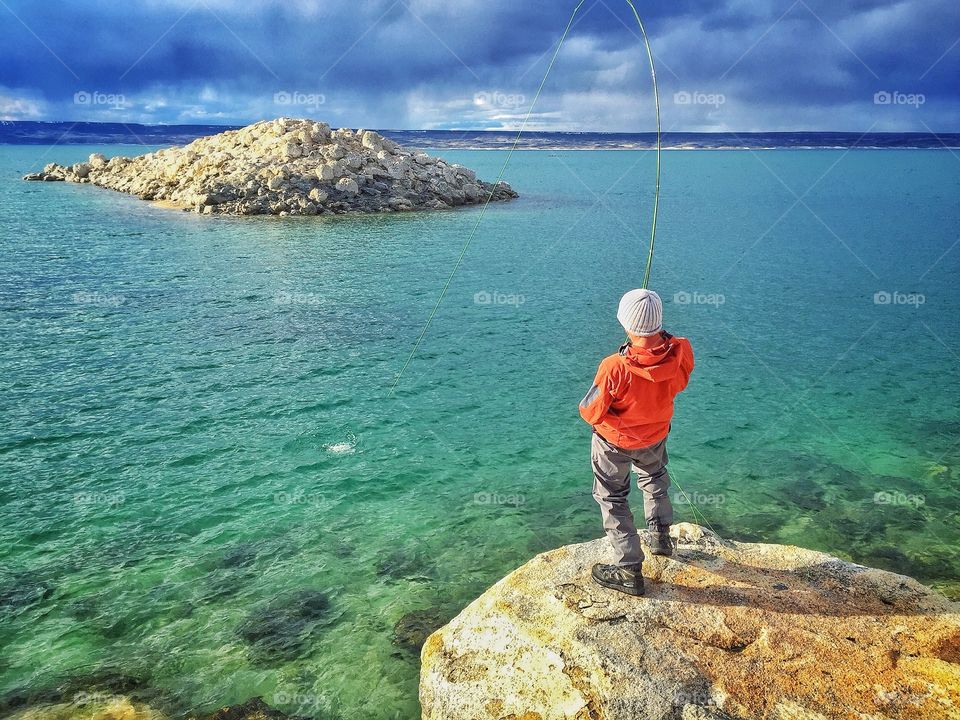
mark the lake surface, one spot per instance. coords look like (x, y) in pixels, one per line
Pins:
(207, 486)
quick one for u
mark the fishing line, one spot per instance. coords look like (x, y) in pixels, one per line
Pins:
(503, 169)
(696, 512)
(506, 162)
(656, 100)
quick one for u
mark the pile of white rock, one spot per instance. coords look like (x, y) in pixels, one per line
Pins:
(286, 167)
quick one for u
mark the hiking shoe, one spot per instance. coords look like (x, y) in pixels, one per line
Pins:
(625, 579)
(660, 543)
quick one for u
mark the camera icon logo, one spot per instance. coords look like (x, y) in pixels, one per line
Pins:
(882, 98)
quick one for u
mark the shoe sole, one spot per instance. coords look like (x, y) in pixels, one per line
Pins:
(665, 553)
(621, 588)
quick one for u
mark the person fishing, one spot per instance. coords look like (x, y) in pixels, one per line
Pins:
(630, 406)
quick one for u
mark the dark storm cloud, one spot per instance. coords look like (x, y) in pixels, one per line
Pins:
(809, 64)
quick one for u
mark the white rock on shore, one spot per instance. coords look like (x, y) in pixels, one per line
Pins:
(286, 167)
(726, 631)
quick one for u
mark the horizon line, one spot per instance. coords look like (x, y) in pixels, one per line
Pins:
(229, 126)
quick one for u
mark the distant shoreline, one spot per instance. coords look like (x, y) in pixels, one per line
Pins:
(85, 133)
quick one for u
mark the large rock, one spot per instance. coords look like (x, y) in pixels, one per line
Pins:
(348, 186)
(284, 167)
(726, 630)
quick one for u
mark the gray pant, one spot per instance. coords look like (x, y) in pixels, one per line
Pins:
(611, 485)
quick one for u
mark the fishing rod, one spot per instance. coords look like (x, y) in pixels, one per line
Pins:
(506, 162)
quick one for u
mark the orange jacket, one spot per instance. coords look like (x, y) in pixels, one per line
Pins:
(631, 402)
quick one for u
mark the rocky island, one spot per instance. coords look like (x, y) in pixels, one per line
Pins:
(726, 631)
(286, 167)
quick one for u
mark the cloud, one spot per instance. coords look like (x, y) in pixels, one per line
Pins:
(15, 105)
(812, 64)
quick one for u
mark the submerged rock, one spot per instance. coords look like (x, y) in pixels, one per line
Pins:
(726, 630)
(22, 591)
(413, 629)
(100, 706)
(286, 167)
(282, 629)
(405, 564)
(252, 709)
(90, 691)
(240, 555)
(92, 708)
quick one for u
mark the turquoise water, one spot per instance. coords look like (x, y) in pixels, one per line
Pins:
(205, 485)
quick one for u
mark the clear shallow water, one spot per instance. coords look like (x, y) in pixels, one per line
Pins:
(205, 485)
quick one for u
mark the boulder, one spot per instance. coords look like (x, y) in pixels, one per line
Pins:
(726, 630)
(398, 170)
(320, 133)
(348, 186)
(372, 140)
(335, 151)
(353, 161)
(465, 172)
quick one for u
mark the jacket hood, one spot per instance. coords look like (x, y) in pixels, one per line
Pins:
(657, 363)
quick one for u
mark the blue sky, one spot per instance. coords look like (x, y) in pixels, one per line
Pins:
(742, 65)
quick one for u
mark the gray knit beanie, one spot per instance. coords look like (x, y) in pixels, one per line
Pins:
(641, 312)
